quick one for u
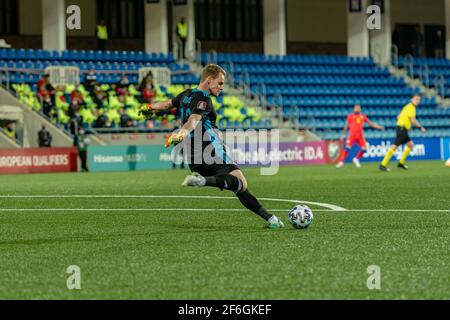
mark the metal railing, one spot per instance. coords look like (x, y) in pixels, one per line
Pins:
(247, 77)
(16, 141)
(229, 66)
(214, 54)
(424, 75)
(41, 114)
(198, 51)
(376, 53)
(128, 130)
(177, 49)
(244, 87)
(4, 79)
(409, 65)
(439, 84)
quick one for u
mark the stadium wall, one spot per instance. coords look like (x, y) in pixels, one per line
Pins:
(7, 143)
(77, 43)
(320, 27)
(326, 20)
(147, 157)
(424, 149)
(30, 18)
(445, 148)
(38, 160)
(317, 21)
(159, 138)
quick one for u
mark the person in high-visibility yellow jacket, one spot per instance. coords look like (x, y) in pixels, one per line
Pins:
(102, 35)
(182, 34)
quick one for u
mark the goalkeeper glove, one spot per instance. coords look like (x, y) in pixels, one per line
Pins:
(175, 138)
(147, 111)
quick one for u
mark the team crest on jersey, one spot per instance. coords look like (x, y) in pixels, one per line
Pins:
(202, 105)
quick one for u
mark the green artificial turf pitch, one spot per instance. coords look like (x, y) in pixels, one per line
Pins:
(165, 248)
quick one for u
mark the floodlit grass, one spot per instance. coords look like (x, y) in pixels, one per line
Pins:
(156, 248)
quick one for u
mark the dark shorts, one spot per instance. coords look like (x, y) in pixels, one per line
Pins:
(402, 136)
(209, 170)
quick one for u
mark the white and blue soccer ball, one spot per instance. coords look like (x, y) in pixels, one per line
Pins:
(301, 216)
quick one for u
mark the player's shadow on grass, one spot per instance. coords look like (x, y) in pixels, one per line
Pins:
(33, 242)
(177, 229)
(131, 152)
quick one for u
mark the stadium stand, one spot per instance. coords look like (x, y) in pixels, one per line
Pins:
(317, 91)
(104, 106)
(434, 73)
(321, 90)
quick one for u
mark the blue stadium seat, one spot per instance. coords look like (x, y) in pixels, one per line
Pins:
(100, 55)
(325, 87)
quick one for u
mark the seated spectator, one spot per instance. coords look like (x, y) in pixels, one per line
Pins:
(144, 81)
(125, 120)
(104, 102)
(90, 81)
(76, 119)
(77, 97)
(76, 122)
(4, 44)
(148, 92)
(47, 105)
(122, 100)
(10, 131)
(44, 86)
(122, 86)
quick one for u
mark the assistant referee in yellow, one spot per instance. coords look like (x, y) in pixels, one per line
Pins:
(102, 35)
(405, 120)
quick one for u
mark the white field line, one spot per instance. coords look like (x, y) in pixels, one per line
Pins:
(330, 207)
(196, 209)
(325, 205)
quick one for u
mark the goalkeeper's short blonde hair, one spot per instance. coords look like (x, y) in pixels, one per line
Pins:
(212, 70)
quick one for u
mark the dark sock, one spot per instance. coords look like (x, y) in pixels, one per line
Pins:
(225, 181)
(251, 203)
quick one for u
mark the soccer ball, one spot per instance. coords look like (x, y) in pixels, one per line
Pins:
(448, 163)
(300, 216)
(333, 151)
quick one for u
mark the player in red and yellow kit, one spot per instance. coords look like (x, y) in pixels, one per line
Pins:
(355, 124)
(405, 120)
